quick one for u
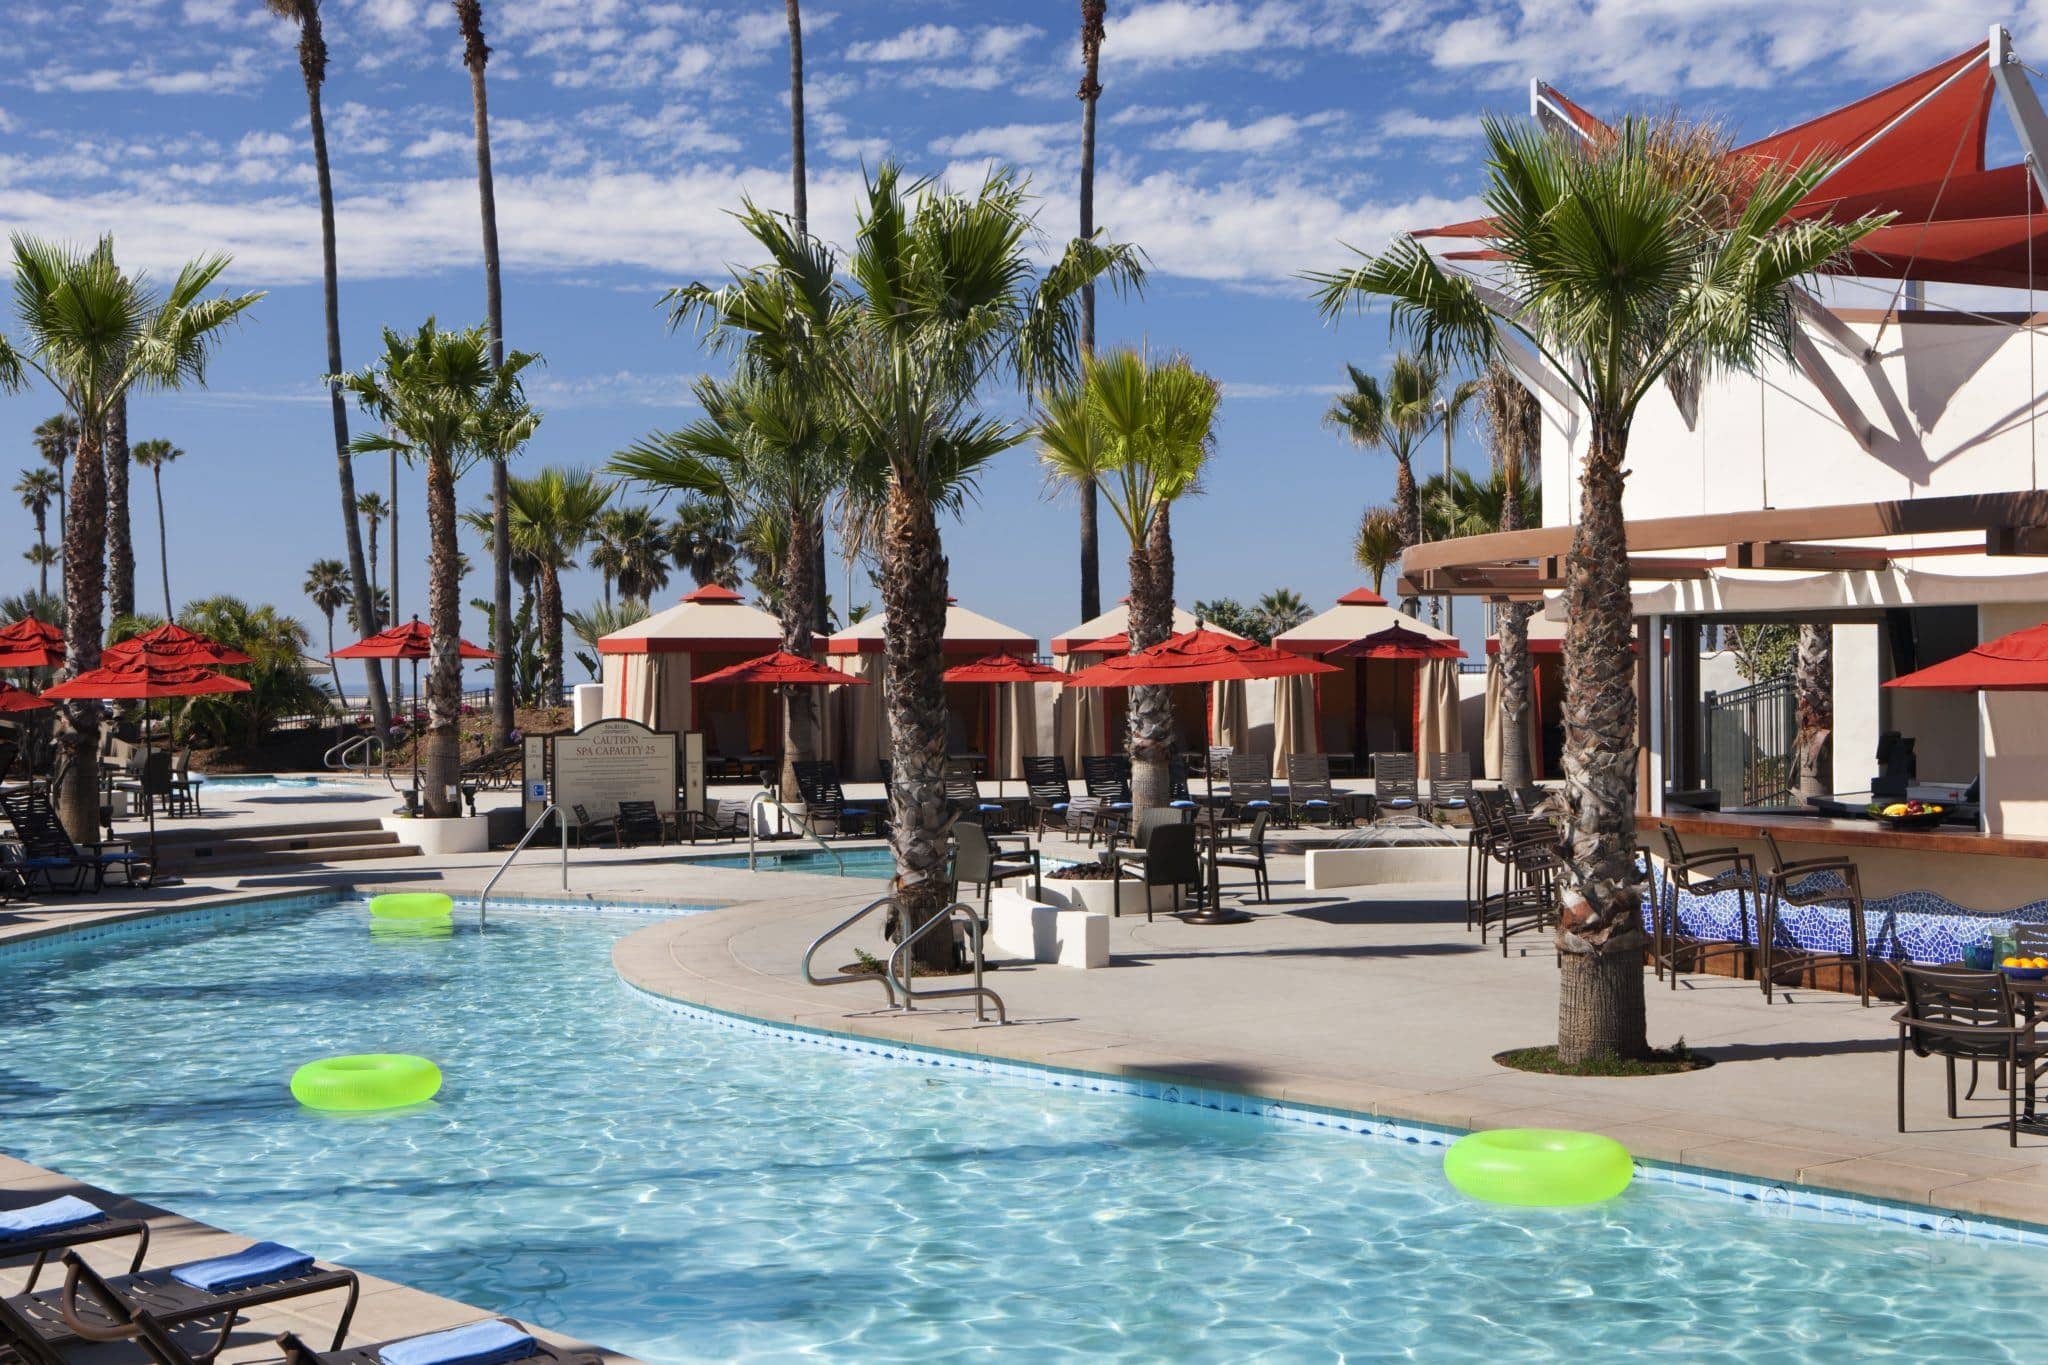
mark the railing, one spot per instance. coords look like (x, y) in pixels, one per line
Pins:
(339, 757)
(901, 959)
(773, 799)
(1749, 735)
(844, 978)
(483, 902)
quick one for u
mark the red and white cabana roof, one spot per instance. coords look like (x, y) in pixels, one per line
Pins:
(1115, 622)
(967, 633)
(710, 619)
(1545, 637)
(1358, 613)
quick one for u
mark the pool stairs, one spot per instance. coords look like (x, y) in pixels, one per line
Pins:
(202, 852)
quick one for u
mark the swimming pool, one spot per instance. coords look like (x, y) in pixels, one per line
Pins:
(264, 782)
(682, 1191)
(878, 863)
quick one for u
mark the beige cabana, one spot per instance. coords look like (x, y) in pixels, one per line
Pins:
(1090, 720)
(1001, 729)
(1545, 735)
(1371, 705)
(649, 665)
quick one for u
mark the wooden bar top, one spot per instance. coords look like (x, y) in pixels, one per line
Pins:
(1806, 829)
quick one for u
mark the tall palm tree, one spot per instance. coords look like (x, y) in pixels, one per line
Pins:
(476, 54)
(92, 333)
(938, 296)
(327, 584)
(40, 490)
(700, 543)
(313, 68)
(120, 533)
(444, 405)
(373, 509)
(1093, 13)
(771, 452)
(1398, 416)
(800, 215)
(1377, 546)
(630, 548)
(1141, 432)
(1513, 422)
(153, 455)
(553, 515)
(1622, 263)
(56, 438)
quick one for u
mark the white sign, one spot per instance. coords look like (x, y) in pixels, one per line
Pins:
(601, 765)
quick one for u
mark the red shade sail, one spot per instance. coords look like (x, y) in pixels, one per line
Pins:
(2012, 663)
(781, 669)
(30, 643)
(413, 640)
(145, 682)
(172, 644)
(15, 699)
(1196, 656)
(1003, 668)
(1399, 642)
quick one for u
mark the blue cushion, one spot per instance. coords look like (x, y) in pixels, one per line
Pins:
(1119, 805)
(1059, 805)
(988, 805)
(1400, 801)
(1181, 805)
(65, 1211)
(1315, 801)
(1450, 801)
(480, 1343)
(853, 810)
(259, 1264)
(1259, 805)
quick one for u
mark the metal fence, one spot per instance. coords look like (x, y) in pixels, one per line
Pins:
(1748, 733)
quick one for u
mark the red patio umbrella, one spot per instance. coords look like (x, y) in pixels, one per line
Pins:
(995, 670)
(17, 699)
(30, 643)
(1197, 656)
(172, 644)
(782, 669)
(1399, 642)
(2012, 663)
(415, 641)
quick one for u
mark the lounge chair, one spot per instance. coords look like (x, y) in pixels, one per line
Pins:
(468, 1345)
(1253, 857)
(965, 801)
(1047, 788)
(1171, 858)
(1251, 786)
(38, 1227)
(825, 800)
(1309, 793)
(1395, 789)
(1108, 779)
(977, 859)
(729, 734)
(1450, 784)
(47, 849)
(718, 820)
(45, 1328)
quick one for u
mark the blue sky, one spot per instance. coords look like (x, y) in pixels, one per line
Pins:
(1239, 143)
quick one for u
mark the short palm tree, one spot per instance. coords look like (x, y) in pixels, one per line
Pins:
(1377, 546)
(278, 683)
(700, 543)
(1282, 610)
(327, 584)
(444, 405)
(373, 509)
(552, 516)
(630, 548)
(93, 332)
(153, 455)
(1471, 506)
(380, 602)
(938, 297)
(56, 439)
(595, 622)
(1141, 432)
(1514, 432)
(1622, 263)
(40, 490)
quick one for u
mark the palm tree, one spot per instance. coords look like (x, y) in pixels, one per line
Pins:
(772, 453)
(1397, 417)
(938, 296)
(800, 216)
(599, 620)
(373, 510)
(278, 683)
(631, 550)
(92, 332)
(153, 455)
(1141, 432)
(56, 438)
(1813, 700)
(1377, 546)
(1513, 422)
(1281, 610)
(120, 533)
(1471, 506)
(700, 543)
(380, 602)
(443, 404)
(327, 584)
(39, 490)
(553, 515)
(313, 67)
(1622, 264)
(1093, 13)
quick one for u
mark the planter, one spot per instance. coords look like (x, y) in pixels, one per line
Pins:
(458, 834)
(1098, 897)
(1333, 868)
(1021, 927)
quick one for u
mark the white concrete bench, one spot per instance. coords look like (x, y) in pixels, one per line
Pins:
(1021, 927)
(1332, 868)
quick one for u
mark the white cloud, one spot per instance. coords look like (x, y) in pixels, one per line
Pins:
(1000, 42)
(238, 73)
(440, 142)
(266, 144)
(1157, 113)
(924, 43)
(1406, 123)
(1170, 32)
(1260, 135)
(1021, 143)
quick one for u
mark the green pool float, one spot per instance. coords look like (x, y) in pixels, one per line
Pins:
(373, 1080)
(412, 905)
(1541, 1167)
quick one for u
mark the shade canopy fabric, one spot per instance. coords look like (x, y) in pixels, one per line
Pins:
(30, 643)
(968, 634)
(710, 619)
(145, 682)
(2012, 663)
(17, 699)
(1098, 634)
(172, 644)
(1398, 642)
(1357, 614)
(413, 640)
(1196, 656)
(782, 669)
(1003, 668)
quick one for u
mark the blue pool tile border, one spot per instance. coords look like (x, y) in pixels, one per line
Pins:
(1803, 1200)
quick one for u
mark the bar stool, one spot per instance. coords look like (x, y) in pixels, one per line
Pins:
(1778, 890)
(1696, 874)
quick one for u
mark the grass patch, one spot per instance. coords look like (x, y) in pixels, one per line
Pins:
(1661, 1062)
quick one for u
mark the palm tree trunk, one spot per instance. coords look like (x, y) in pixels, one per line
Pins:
(1814, 683)
(333, 664)
(444, 668)
(85, 591)
(313, 64)
(42, 560)
(1518, 440)
(163, 553)
(1514, 695)
(120, 532)
(802, 591)
(1092, 13)
(1408, 506)
(1600, 931)
(551, 634)
(913, 658)
(1151, 708)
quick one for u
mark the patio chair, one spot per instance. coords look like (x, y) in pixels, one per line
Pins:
(1963, 1016)
(1108, 779)
(1047, 788)
(1253, 858)
(817, 781)
(1309, 793)
(465, 1343)
(47, 849)
(1217, 766)
(964, 798)
(1177, 794)
(1531, 880)
(1780, 888)
(976, 859)
(1486, 846)
(152, 783)
(729, 735)
(1151, 820)
(183, 797)
(957, 750)
(13, 881)
(1450, 783)
(718, 820)
(1171, 858)
(1705, 872)
(1251, 787)
(32, 1227)
(47, 1328)
(1395, 790)
(1088, 816)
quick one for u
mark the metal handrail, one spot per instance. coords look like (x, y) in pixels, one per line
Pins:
(980, 992)
(483, 902)
(834, 932)
(337, 758)
(802, 824)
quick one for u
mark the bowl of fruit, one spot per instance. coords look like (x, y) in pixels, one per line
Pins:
(1907, 814)
(2024, 968)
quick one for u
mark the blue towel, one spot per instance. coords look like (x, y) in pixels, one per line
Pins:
(480, 1343)
(65, 1211)
(260, 1264)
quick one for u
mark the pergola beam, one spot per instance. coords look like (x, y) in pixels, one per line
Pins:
(1796, 555)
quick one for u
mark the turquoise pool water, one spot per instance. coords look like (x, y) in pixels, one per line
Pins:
(682, 1192)
(263, 782)
(877, 863)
